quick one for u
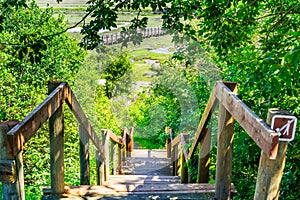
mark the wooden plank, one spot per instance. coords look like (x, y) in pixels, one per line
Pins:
(56, 129)
(258, 130)
(100, 168)
(84, 157)
(120, 159)
(184, 140)
(212, 102)
(7, 171)
(270, 171)
(224, 154)
(118, 190)
(83, 120)
(176, 141)
(204, 158)
(24, 130)
(113, 136)
(106, 141)
(14, 187)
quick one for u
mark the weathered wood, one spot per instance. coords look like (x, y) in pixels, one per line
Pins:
(184, 161)
(169, 147)
(124, 144)
(113, 157)
(56, 128)
(258, 130)
(175, 160)
(120, 159)
(13, 186)
(114, 137)
(176, 141)
(204, 158)
(211, 104)
(129, 143)
(84, 157)
(224, 154)
(24, 130)
(106, 139)
(7, 171)
(270, 171)
(83, 120)
(168, 141)
(119, 190)
(100, 168)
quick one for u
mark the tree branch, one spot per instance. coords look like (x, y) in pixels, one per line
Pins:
(74, 26)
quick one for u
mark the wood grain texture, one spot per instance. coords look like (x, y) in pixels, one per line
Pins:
(270, 171)
(7, 171)
(24, 130)
(204, 158)
(212, 102)
(84, 157)
(56, 129)
(224, 154)
(83, 120)
(13, 188)
(256, 128)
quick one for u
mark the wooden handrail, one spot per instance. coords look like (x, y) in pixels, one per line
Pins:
(230, 108)
(52, 108)
(257, 129)
(23, 131)
(83, 120)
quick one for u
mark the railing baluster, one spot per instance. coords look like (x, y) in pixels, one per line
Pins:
(84, 157)
(56, 125)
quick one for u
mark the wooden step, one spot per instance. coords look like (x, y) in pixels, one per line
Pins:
(142, 179)
(121, 191)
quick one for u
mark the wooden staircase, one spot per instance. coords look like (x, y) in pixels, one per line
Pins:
(124, 173)
(147, 174)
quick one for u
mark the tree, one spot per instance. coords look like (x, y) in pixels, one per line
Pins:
(255, 43)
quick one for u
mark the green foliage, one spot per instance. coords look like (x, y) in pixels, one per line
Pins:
(115, 70)
(31, 54)
(175, 99)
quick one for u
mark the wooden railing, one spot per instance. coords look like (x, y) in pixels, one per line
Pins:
(14, 135)
(231, 108)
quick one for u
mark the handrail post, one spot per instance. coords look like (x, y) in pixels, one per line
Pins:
(175, 160)
(224, 154)
(84, 157)
(168, 141)
(185, 177)
(270, 171)
(129, 143)
(56, 125)
(12, 176)
(204, 158)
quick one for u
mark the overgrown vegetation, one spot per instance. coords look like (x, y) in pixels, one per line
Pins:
(255, 43)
